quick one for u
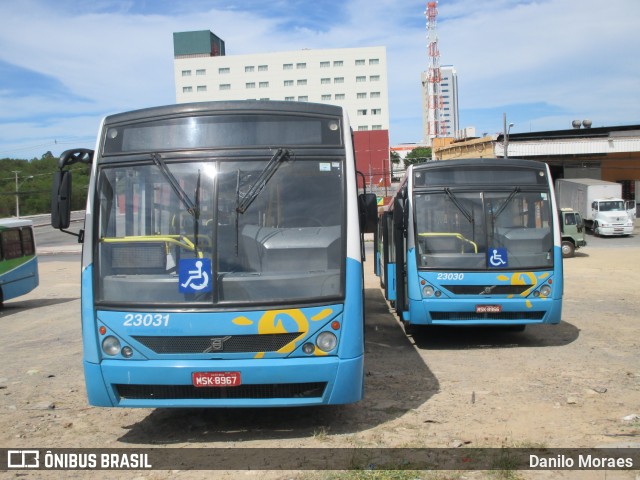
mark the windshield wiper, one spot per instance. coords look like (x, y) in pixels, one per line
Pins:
(270, 168)
(192, 208)
(457, 203)
(506, 202)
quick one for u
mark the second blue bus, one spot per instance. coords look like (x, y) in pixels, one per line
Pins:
(473, 242)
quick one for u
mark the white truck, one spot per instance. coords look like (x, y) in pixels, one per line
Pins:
(599, 203)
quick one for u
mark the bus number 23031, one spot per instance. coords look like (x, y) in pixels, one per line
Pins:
(450, 276)
(146, 320)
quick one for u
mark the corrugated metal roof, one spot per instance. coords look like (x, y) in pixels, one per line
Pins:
(574, 146)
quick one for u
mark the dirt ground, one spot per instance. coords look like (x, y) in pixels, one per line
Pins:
(570, 385)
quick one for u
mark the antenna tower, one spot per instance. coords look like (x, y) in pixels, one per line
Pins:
(435, 124)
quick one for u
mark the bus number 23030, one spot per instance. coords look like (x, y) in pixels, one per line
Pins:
(146, 320)
(450, 276)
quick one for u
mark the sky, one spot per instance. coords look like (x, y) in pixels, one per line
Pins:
(65, 64)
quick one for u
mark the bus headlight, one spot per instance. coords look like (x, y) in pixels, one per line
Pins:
(111, 345)
(545, 291)
(326, 341)
(428, 291)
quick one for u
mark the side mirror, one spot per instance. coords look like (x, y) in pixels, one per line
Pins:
(368, 206)
(61, 200)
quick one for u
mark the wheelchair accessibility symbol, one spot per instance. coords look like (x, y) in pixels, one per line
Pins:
(194, 275)
(497, 258)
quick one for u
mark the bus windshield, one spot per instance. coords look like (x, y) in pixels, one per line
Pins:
(286, 245)
(457, 229)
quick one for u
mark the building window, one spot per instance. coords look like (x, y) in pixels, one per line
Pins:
(225, 86)
(224, 70)
(376, 111)
(250, 85)
(301, 66)
(302, 82)
(338, 80)
(374, 78)
(374, 61)
(360, 96)
(339, 96)
(375, 94)
(263, 68)
(325, 81)
(376, 127)
(200, 72)
(187, 89)
(186, 73)
(287, 66)
(249, 69)
(361, 79)
(362, 112)
(363, 129)
(289, 99)
(326, 98)
(303, 98)
(201, 88)
(264, 85)
(359, 63)
(338, 63)
(325, 64)
(288, 83)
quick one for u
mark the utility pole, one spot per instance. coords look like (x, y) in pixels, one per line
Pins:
(505, 134)
(16, 172)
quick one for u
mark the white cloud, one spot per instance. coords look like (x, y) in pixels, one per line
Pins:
(576, 56)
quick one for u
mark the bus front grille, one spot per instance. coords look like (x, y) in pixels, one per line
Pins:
(218, 344)
(470, 316)
(487, 289)
(189, 392)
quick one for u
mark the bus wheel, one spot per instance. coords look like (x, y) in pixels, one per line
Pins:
(568, 249)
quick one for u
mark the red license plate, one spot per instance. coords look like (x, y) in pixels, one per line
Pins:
(216, 379)
(488, 308)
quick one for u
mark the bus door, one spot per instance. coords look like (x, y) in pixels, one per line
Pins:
(400, 223)
(387, 268)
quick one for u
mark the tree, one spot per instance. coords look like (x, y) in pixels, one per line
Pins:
(417, 155)
(34, 181)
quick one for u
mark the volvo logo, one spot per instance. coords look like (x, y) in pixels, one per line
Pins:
(487, 290)
(217, 344)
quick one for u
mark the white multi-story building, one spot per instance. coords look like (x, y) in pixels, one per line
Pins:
(355, 78)
(449, 95)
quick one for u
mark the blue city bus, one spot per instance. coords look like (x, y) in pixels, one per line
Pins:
(222, 256)
(18, 259)
(473, 242)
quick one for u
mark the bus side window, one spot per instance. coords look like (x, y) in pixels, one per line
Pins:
(28, 247)
(11, 244)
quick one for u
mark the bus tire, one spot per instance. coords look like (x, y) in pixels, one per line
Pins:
(568, 249)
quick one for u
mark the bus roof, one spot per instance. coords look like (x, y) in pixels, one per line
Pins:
(232, 106)
(15, 222)
(489, 162)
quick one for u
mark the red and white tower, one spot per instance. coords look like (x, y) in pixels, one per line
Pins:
(436, 126)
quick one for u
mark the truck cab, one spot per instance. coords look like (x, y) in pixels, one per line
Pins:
(612, 216)
(573, 232)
